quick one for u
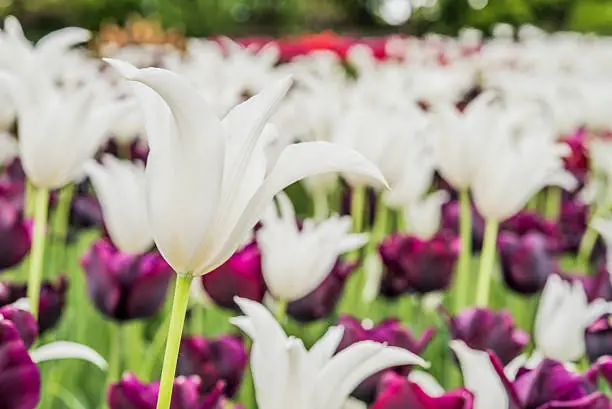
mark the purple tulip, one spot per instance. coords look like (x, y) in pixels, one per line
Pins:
(450, 221)
(85, 212)
(15, 231)
(50, 306)
(24, 323)
(526, 222)
(321, 302)
(595, 286)
(390, 332)
(397, 392)
(598, 339)
(19, 376)
(130, 393)
(527, 261)
(571, 227)
(603, 369)
(240, 276)
(222, 359)
(124, 286)
(414, 265)
(485, 329)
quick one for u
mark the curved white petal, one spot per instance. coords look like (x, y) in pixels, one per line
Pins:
(322, 351)
(68, 350)
(60, 40)
(427, 382)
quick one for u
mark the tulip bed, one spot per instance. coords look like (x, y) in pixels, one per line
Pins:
(313, 223)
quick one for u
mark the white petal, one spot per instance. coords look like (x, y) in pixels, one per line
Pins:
(427, 382)
(322, 351)
(68, 350)
(60, 40)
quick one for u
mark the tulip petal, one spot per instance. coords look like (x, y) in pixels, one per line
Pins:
(322, 351)
(68, 350)
(427, 382)
(60, 40)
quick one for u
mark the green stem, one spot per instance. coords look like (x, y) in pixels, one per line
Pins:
(29, 199)
(553, 203)
(198, 317)
(177, 319)
(464, 265)
(154, 350)
(114, 361)
(586, 248)
(281, 311)
(487, 263)
(134, 345)
(62, 212)
(41, 207)
(357, 215)
(321, 205)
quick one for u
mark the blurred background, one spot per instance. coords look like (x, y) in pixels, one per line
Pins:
(287, 17)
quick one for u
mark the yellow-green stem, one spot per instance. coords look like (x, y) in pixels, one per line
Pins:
(173, 341)
(586, 248)
(281, 311)
(321, 205)
(487, 262)
(464, 264)
(357, 214)
(37, 255)
(28, 210)
(553, 203)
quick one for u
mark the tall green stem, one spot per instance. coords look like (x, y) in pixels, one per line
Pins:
(487, 263)
(586, 248)
(464, 265)
(281, 311)
(41, 208)
(554, 196)
(321, 205)
(173, 342)
(357, 210)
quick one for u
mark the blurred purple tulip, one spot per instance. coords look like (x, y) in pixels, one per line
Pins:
(571, 227)
(484, 329)
(527, 261)
(397, 392)
(598, 338)
(131, 393)
(450, 221)
(525, 222)
(322, 302)
(19, 376)
(24, 323)
(124, 286)
(390, 332)
(85, 211)
(595, 286)
(240, 276)
(222, 359)
(15, 231)
(414, 265)
(52, 300)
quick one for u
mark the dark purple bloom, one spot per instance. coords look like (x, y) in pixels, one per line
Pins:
(15, 232)
(485, 329)
(19, 376)
(450, 221)
(321, 302)
(525, 222)
(571, 227)
(241, 276)
(598, 339)
(397, 392)
(414, 265)
(85, 212)
(390, 332)
(130, 393)
(527, 261)
(222, 359)
(578, 161)
(595, 286)
(50, 306)
(24, 323)
(124, 286)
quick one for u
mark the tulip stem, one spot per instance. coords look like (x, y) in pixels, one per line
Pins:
(358, 207)
(464, 265)
(41, 208)
(281, 311)
(487, 263)
(554, 196)
(586, 248)
(60, 226)
(177, 319)
(321, 205)
(114, 361)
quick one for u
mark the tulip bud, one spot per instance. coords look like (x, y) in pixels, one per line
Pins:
(24, 323)
(14, 230)
(218, 360)
(240, 276)
(415, 265)
(390, 332)
(124, 286)
(598, 339)
(483, 329)
(322, 301)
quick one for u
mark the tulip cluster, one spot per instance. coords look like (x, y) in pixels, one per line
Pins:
(312, 223)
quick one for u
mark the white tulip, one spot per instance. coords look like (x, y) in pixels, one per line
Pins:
(207, 183)
(424, 217)
(480, 377)
(8, 148)
(286, 375)
(562, 317)
(295, 262)
(120, 187)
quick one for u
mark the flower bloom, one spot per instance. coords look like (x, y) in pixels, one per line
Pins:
(485, 329)
(390, 332)
(240, 276)
(221, 359)
(200, 221)
(15, 231)
(286, 375)
(24, 323)
(123, 286)
(598, 339)
(415, 265)
(296, 261)
(131, 393)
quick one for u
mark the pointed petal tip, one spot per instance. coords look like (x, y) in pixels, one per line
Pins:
(124, 68)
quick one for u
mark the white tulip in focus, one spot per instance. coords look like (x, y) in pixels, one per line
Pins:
(207, 179)
(8, 148)
(295, 262)
(424, 216)
(516, 161)
(480, 377)
(286, 375)
(563, 315)
(120, 187)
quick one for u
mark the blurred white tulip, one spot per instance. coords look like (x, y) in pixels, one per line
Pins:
(8, 148)
(295, 261)
(206, 193)
(286, 375)
(424, 216)
(562, 317)
(120, 188)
